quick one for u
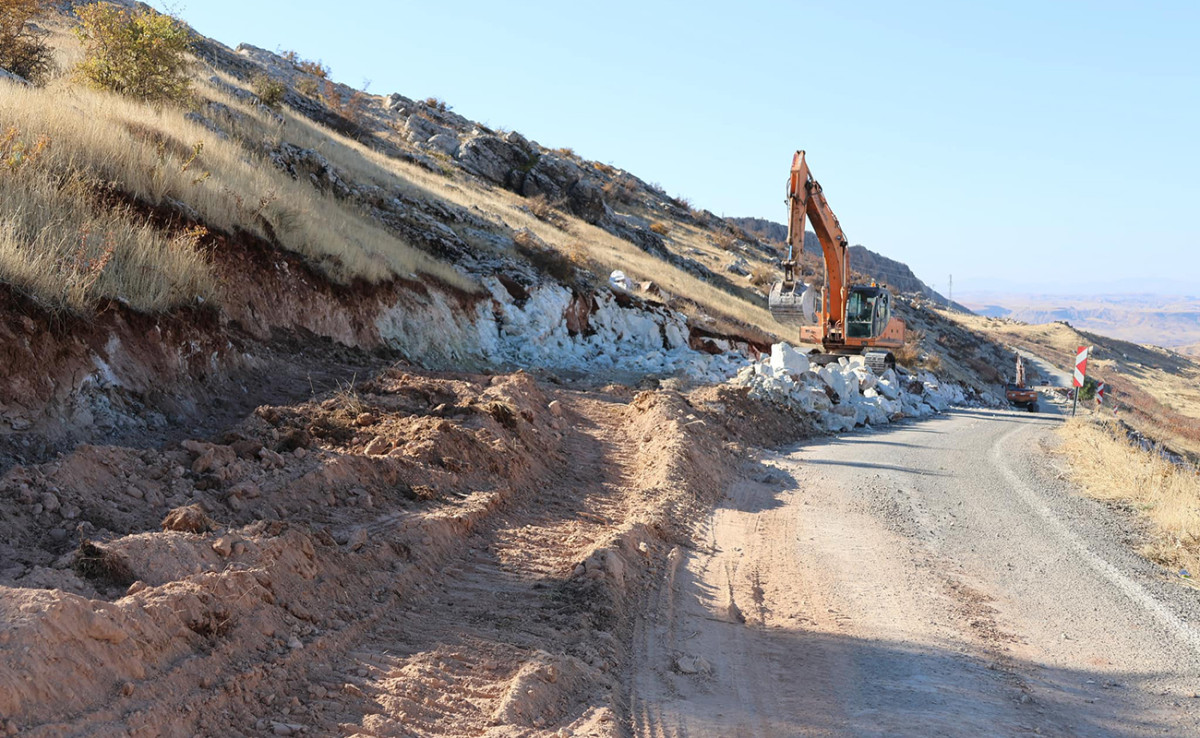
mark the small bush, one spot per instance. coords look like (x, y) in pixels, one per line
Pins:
(725, 240)
(682, 203)
(661, 229)
(315, 68)
(621, 189)
(24, 51)
(351, 108)
(436, 104)
(761, 275)
(141, 54)
(909, 354)
(546, 259)
(269, 90)
(566, 152)
(604, 168)
(543, 209)
(307, 86)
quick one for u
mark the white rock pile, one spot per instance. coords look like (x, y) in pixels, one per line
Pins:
(845, 394)
(502, 333)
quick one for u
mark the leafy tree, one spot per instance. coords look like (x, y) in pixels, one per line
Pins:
(23, 50)
(139, 53)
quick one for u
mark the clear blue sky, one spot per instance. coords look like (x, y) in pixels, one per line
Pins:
(991, 141)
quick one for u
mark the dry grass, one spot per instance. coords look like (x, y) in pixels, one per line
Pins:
(1110, 467)
(231, 188)
(62, 245)
(140, 152)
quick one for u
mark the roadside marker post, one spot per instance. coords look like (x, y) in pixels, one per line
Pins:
(1081, 357)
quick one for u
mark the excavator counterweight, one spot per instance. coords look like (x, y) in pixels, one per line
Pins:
(843, 318)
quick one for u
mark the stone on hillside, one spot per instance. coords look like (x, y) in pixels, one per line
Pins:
(447, 143)
(418, 129)
(492, 157)
(739, 266)
(560, 179)
(786, 359)
(312, 165)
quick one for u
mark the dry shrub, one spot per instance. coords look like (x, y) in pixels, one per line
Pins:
(604, 169)
(269, 90)
(102, 565)
(622, 189)
(543, 209)
(436, 104)
(761, 275)
(725, 240)
(189, 519)
(23, 50)
(137, 53)
(307, 86)
(315, 68)
(351, 108)
(545, 259)
(681, 202)
(1108, 466)
(566, 152)
(909, 354)
(661, 229)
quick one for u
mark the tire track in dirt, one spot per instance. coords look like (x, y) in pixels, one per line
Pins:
(503, 630)
(889, 588)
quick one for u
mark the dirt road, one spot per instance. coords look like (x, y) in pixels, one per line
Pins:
(935, 579)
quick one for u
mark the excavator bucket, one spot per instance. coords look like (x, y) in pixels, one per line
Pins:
(790, 306)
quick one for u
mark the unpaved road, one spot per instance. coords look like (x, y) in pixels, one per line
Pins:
(934, 579)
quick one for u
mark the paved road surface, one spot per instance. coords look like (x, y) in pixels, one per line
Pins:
(933, 579)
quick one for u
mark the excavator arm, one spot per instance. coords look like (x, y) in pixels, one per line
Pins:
(806, 201)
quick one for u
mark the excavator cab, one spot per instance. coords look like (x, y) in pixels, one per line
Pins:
(868, 310)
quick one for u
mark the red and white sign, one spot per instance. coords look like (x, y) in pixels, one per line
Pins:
(1100, 394)
(1081, 357)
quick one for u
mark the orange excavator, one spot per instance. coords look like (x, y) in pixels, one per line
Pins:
(844, 319)
(1018, 393)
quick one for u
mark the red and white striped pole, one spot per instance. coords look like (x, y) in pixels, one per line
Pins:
(1081, 357)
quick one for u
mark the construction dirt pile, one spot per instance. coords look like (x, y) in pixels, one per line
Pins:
(418, 554)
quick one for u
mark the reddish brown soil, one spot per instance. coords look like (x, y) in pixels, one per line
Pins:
(422, 555)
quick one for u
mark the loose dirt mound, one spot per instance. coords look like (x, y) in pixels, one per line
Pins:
(414, 554)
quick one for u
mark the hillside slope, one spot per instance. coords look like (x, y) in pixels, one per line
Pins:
(1155, 389)
(864, 261)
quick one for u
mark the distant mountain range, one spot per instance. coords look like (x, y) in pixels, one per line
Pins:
(863, 260)
(1173, 322)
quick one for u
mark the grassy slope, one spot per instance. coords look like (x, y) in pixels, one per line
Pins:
(105, 148)
(1109, 467)
(1160, 388)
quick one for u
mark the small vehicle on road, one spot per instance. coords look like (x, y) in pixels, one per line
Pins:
(1018, 394)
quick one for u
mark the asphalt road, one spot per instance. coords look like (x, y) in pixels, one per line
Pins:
(935, 578)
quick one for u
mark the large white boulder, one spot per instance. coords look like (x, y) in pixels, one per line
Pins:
(785, 358)
(833, 379)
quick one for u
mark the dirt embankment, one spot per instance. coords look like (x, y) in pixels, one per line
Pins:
(445, 554)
